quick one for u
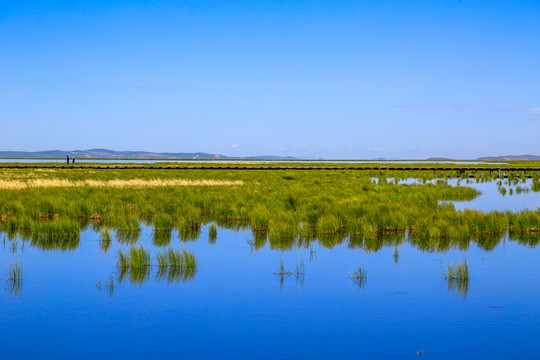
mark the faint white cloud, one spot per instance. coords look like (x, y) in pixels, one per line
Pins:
(533, 111)
(349, 147)
(235, 145)
(376, 149)
(438, 107)
(283, 148)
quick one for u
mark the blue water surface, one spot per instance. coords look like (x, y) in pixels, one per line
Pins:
(237, 308)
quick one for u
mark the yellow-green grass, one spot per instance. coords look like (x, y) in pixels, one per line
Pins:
(280, 205)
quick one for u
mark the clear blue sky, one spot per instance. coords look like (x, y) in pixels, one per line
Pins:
(333, 79)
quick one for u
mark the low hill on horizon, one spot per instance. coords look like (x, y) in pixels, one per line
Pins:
(511, 157)
(149, 155)
(113, 154)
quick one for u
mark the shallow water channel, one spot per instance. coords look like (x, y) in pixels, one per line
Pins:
(236, 307)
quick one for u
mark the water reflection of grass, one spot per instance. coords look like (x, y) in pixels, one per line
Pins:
(162, 238)
(134, 275)
(128, 237)
(55, 243)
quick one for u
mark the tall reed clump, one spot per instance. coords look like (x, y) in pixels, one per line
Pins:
(57, 234)
(54, 229)
(259, 220)
(212, 234)
(135, 258)
(457, 277)
(135, 264)
(127, 224)
(188, 228)
(459, 272)
(328, 224)
(162, 260)
(176, 264)
(184, 259)
(163, 222)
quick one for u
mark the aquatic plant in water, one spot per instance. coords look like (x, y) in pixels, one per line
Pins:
(359, 276)
(212, 234)
(176, 264)
(457, 277)
(135, 258)
(14, 277)
(459, 272)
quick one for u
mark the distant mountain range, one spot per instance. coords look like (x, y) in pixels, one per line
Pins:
(112, 154)
(495, 158)
(511, 157)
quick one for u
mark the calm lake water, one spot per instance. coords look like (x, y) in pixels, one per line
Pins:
(235, 307)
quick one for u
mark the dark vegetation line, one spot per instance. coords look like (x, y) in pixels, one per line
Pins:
(386, 168)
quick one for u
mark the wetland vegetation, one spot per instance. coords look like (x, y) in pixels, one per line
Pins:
(367, 209)
(220, 234)
(51, 206)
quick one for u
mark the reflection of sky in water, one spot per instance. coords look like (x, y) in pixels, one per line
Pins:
(491, 199)
(234, 307)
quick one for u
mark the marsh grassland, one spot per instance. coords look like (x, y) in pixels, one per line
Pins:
(371, 259)
(50, 207)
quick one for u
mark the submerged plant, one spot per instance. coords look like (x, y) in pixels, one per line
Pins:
(108, 285)
(361, 273)
(105, 240)
(14, 271)
(359, 276)
(282, 270)
(299, 273)
(14, 277)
